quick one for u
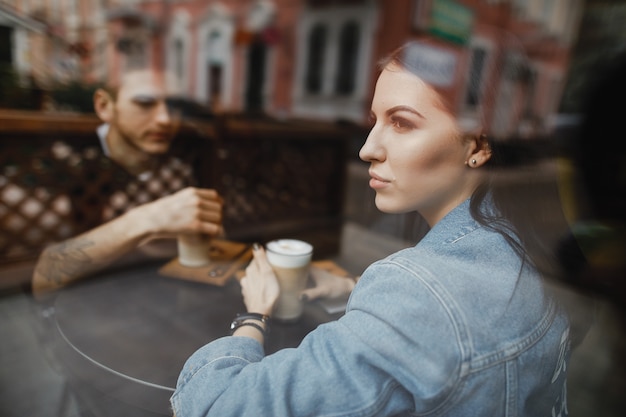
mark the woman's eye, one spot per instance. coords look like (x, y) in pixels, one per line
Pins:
(401, 124)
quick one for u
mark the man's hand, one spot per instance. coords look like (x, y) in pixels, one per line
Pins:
(192, 210)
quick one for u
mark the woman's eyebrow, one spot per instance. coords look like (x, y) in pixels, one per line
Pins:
(404, 108)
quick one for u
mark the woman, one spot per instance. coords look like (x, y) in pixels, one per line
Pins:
(458, 325)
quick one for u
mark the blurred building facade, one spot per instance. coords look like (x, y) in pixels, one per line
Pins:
(502, 60)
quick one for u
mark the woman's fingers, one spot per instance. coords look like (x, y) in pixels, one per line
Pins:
(327, 285)
(259, 286)
(314, 293)
(261, 261)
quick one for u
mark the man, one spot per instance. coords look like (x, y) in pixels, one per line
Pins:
(136, 137)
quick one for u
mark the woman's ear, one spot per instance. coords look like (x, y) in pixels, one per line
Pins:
(103, 105)
(479, 150)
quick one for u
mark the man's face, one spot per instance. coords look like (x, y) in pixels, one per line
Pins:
(140, 115)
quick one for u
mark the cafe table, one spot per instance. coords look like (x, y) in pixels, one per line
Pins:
(121, 338)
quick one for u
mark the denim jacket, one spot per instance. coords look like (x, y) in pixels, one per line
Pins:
(455, 326)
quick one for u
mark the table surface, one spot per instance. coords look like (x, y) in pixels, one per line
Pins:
(123, 336)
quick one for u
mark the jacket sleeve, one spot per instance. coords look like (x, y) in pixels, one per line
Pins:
(384, 356)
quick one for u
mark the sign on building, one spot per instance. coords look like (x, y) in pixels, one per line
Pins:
(451, 21)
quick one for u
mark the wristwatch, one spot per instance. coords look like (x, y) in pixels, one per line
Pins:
(240, 320)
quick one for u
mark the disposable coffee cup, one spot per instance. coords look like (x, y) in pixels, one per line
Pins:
(291, 260)
(194, 250)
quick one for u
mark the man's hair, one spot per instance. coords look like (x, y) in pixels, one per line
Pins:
(113, 84)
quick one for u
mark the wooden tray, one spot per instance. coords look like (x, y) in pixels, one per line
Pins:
(227, 257)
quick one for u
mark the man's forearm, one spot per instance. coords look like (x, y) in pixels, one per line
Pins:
(62, 263)
(75, 258)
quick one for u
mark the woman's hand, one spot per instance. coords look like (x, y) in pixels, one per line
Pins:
(327, 285)
(259, 286)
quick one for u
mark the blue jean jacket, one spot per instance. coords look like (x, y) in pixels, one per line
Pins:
(455, 326)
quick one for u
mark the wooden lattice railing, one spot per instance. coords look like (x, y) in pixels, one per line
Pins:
(278, 179)
(282, 179)
(33, 210)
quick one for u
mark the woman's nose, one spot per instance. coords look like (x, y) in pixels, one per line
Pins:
(372, 149)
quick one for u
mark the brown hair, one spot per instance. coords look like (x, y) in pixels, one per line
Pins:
(112, 85)
(398, 58)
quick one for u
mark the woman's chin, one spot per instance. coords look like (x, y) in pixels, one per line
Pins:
(386, 206)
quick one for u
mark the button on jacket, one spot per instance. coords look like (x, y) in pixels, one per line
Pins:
(456, 326)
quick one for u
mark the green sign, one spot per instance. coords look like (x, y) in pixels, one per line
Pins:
(451, 21)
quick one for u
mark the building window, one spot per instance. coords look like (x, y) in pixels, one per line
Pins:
(315, 62)
(257, 57)
(216, 47)
(215, 88)
(216, 55)
(348, 56)
(335, 44)
(179, 54)
(6, 46)
(474, 88)
(421, 14)
(214, 71)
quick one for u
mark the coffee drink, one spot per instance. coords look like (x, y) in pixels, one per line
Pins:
(290, 259)
(194, 249)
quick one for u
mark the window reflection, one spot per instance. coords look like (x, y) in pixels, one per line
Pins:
(348, 54)
(317, 49)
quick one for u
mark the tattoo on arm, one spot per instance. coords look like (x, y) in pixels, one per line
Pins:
(66, 261)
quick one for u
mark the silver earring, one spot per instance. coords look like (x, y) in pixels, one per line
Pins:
(473, 162)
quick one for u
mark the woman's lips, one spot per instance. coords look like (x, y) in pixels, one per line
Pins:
(377, 182)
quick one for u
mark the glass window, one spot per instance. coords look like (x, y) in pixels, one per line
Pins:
(6, 47)
(217, 47)
(472, 98)
(257, 58)
(180, 58)
(315, 62)
(531, 84)
(348, 54)
(421, 14)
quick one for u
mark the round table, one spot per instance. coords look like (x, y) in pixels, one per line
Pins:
(122, 337)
